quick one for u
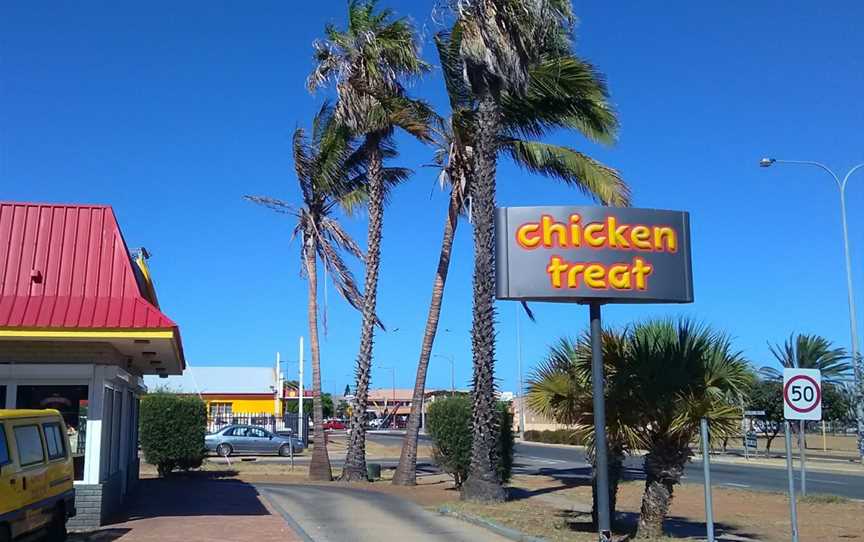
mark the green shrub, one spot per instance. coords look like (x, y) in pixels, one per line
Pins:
(506, 442)
(448, 422)
(557, 436)
(172, 431)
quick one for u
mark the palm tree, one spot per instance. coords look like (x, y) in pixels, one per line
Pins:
(499, 42)
(560, 390)
(367, 62)
(329, 173)
(810, 352)
(680, 373)
(562, 92)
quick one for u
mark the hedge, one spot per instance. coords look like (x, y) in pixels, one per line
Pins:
(449, 424)
(172, 431)
(557, 436)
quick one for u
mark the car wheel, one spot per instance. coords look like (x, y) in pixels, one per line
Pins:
(285, 450)
(224, 450)
(57, 527)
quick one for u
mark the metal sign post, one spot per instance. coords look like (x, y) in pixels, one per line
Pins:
(802, 401)
(601, 459)
(793, 507)
(706, 466)
(802, 449)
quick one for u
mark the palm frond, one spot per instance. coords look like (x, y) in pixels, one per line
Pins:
(814, 352)
(576, 169)
(563, 92)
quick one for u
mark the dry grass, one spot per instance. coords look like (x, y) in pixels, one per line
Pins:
(548, 509)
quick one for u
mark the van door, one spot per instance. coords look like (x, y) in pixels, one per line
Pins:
(11, 496)
(33, 473)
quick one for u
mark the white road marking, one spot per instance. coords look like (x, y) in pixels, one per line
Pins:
(734, 485)
(828, 482)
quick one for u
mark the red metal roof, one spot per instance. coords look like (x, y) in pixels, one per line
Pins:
(67, 266)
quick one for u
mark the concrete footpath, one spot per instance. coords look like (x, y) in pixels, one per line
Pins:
(335, 513)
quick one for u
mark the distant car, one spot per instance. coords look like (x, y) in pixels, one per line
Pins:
(375, 423)
(334, 425)
(252, 440)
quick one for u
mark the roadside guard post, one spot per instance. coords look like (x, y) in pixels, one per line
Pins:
(802, 401)
(593, 256)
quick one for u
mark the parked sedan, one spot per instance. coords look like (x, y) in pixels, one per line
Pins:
(248, 439)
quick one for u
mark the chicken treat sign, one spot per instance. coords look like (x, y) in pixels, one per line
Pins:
(593, 254)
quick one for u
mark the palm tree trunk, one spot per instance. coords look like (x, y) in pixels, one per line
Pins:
(406, 472)
(319, 466)
(664, 467)
(355, 460)
(483, 483)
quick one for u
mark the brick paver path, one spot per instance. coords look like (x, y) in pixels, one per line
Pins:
(192, 509)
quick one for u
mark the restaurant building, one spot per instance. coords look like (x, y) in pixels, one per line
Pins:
(80, 326)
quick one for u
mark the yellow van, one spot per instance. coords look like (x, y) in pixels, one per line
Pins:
(36, 474)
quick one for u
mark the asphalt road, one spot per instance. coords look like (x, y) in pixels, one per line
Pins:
(568, 462)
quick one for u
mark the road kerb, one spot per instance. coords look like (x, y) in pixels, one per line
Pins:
(506, 532)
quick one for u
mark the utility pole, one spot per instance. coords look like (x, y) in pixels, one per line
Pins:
(279, 386)
(302, 427)
(519, 368)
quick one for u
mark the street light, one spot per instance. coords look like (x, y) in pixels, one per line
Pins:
(451, 359)
(856, 362)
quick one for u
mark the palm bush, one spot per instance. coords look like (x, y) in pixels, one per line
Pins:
(680, 373)
(560, 389)
(662, 377)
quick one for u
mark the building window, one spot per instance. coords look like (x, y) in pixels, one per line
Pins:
(54, 441)
(221, 410)
(2, 396)
(29, 445)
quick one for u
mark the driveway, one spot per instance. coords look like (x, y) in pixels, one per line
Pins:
(335, 513)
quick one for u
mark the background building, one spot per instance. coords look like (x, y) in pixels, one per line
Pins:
(226, 390)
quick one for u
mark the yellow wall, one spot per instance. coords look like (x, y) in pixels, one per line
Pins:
(244, 404)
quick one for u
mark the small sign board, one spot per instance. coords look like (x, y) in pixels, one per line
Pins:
(754, 413)
(750, 440)
(802, 394)
(593, 254)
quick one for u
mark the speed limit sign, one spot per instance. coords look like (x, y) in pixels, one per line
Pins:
(802, 394)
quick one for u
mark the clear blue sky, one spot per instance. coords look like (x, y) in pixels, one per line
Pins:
(171, 111)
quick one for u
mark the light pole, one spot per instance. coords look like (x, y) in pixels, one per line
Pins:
(856, 361)
(521, 385)
(451, 359)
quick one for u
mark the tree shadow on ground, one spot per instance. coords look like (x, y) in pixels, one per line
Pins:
(569, 478)
(673, 527)
(104, 535)
(198, 493)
